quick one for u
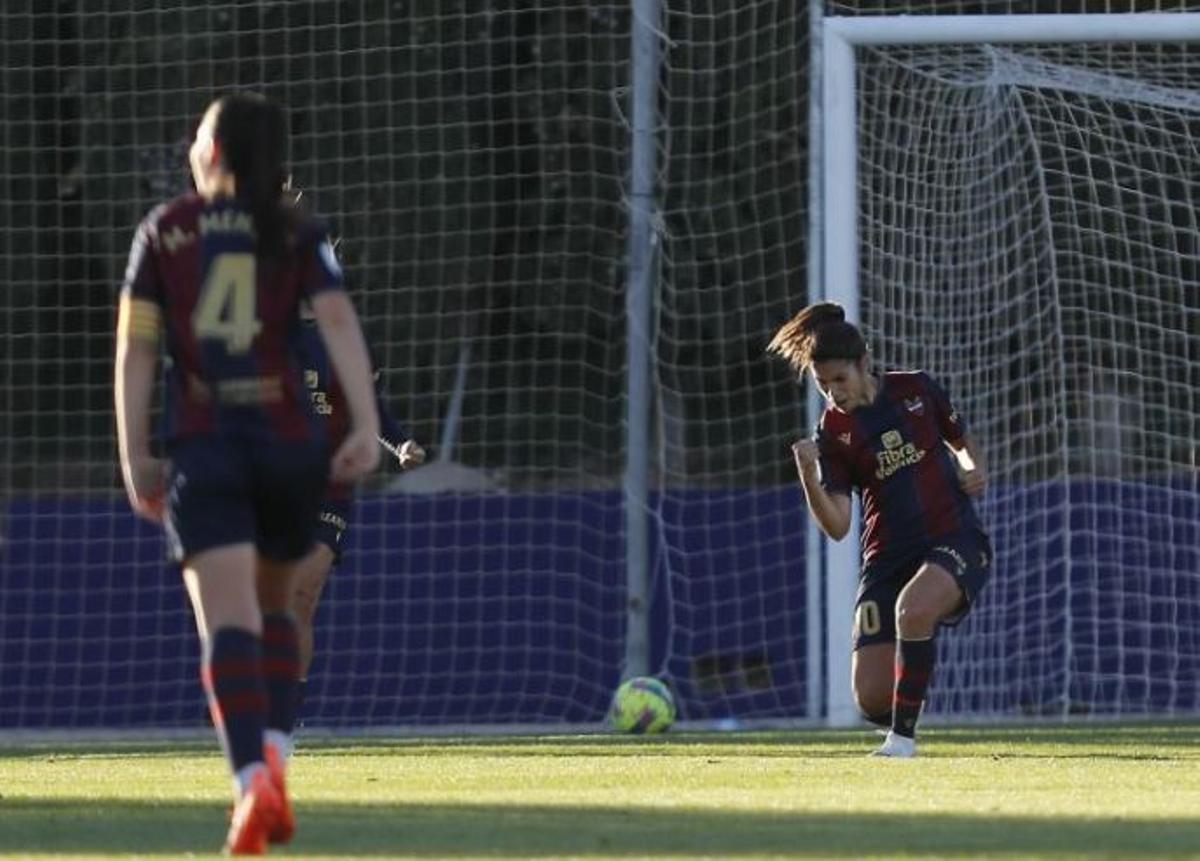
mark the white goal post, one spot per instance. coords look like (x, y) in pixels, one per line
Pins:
(838, 217)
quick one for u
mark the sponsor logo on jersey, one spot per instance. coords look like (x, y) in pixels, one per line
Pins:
(896, 454)
(245, 391)
(916, 406)
(320, 403)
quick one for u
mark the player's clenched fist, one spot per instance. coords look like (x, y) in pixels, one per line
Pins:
(411, 454)
(805, 451)
(972, 481)
(356, 456)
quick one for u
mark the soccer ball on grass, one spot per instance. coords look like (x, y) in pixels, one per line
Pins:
(642, 705)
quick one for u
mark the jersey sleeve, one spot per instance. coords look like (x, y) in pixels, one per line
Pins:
(834, 468)
(950, 422)
(143, 283)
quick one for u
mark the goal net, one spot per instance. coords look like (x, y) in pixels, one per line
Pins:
(472, 160)
(1028, 234)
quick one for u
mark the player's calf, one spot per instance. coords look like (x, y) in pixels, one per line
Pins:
(873, 681)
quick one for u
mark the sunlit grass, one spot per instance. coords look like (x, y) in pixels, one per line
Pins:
(1091, 792)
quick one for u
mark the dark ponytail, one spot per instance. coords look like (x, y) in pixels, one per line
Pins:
(252, 132)
(818, 333)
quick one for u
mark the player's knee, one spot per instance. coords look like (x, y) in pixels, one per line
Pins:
(915, 620)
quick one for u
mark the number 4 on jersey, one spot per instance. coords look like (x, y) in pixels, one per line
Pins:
(226, 309)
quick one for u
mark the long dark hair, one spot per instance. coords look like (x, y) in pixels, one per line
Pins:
(818, 333)
(253, 134)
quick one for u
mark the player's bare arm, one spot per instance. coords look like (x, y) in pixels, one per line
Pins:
(359, 452)
(831, 510)
(136, 364)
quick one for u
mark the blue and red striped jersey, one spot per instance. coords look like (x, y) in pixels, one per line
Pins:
(231, 317)
(328, 399)
(892, 452)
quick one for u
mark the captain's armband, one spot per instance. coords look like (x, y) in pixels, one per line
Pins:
(142, 321)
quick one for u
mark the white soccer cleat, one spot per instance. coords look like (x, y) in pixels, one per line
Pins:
(897, 747)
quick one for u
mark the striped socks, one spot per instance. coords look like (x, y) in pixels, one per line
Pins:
(281, 670)
(914, 667)
(231, 673)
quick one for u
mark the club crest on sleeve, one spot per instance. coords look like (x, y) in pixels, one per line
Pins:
(175, 238)
(916, 406)
(844, 438)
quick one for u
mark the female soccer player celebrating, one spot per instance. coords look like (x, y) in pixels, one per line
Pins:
(221, 273)
(925, 556)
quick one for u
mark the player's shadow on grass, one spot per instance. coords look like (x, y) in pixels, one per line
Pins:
(81, 826)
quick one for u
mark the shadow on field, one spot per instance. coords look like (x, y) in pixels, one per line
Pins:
(78, 826)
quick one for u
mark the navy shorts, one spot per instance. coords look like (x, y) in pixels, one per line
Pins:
(332, 518)
(236, 491)
(967, 555)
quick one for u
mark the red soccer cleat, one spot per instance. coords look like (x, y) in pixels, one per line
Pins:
(285, 825)
(256, 816)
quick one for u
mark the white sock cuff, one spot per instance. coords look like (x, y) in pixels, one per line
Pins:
(241, 780)
(279, 740)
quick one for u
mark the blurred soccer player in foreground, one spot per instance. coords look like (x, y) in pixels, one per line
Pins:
(220, 275)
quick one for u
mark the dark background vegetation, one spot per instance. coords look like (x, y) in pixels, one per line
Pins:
(472, 158)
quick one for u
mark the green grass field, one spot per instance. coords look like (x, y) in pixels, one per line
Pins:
(1083, 792)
